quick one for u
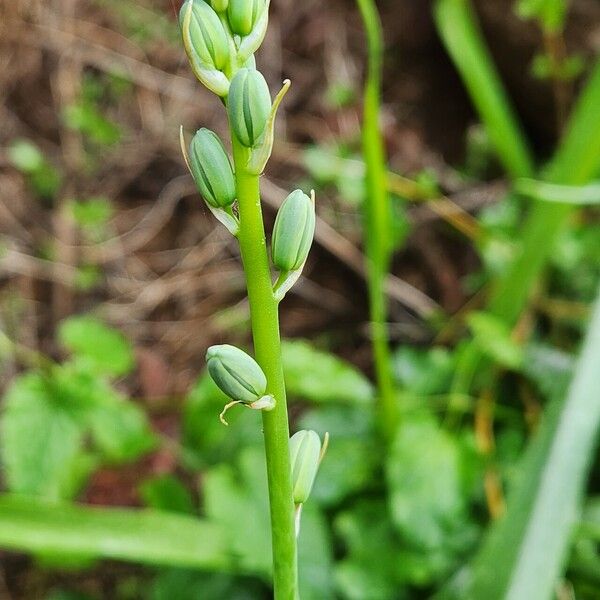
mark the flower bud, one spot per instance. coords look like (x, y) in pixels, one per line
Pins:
(211, 169)
(236, 374)
(293, 232)
(219, 5)
(209, 44)
(243, 15)
(248, 105)
(305, 455)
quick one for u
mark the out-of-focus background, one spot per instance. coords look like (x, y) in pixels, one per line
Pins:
(102, 231)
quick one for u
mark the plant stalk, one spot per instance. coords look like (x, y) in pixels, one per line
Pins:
(267, 349)
(377, 216)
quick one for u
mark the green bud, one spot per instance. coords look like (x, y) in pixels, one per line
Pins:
(305, 455)
(219, 5)
(209, 44)
(243, 15)
(248, 105)
(236, 374)
(211, 169)
(293, 232)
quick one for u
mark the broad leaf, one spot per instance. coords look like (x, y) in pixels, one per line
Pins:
(105, 348)
(40, 441)
(321, 377)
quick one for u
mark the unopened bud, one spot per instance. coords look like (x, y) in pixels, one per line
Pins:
(208, 42)
(293, 232)
(219, 5)
(248, 105)
(305, 455)
(211, 169)
(236, 373)
(243, 15)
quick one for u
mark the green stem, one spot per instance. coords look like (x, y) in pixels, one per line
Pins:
(377, 215)
(267, 349)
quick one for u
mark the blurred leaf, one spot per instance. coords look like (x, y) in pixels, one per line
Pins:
(370, 570)
(540, 360)
(340, 94)
(166, 492)
(145, 536)
(352, 456)
(588, 194)
(88, 120)
(87, 277)
(544, 67)
(120, 429)
(550, 13)
(28, 158)
(235, 497)
(315, 555)
(92, 213)
(40, 441)
(107, 349)
(321, 377)
(178, 584)
(25, 156)
(423, 372)
(427, 498)
(525, 551)
(493, 337)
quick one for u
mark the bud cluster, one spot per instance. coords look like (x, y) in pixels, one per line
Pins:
(220, 38)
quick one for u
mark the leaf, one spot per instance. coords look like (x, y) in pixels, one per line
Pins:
(371, 567)
(235, 497)
(582, 195)
(91, 214)
(427, 495)
(40, 441)
(34, 525)
(321, 377)
(493, 337)
(352, 455)
(540, 360)
(315, 556)
(120, 429)
(167, 492)
(105, 348)
(423, 372)
(525, 551)
(178, 584)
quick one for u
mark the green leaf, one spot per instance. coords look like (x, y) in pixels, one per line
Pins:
(315, 556)
(423, 372)
(120, 429)
(105, 348)
(582, 195)
(525, 552)
(87, 119)
(40, 441)
(372, 565)
(321, 377)
(352, 456)
(235, 497)
(178, 584)
(428, 503)
(493, 337)
(92, 213)
(25, 156)
(146, 536)
(166, 492)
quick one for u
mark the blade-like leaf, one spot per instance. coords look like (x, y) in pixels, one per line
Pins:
(30, 524)
(525, 552)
